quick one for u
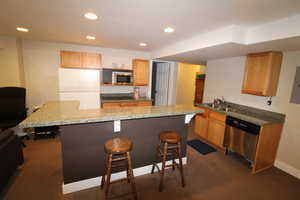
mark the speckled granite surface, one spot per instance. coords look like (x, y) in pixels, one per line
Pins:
(67, 112)
(250, 114)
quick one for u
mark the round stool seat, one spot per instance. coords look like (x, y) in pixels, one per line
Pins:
(170, 137)
(118, 145)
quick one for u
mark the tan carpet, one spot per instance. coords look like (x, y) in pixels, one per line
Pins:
(210, 177)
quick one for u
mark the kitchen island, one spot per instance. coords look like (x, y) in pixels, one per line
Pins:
(84, 132)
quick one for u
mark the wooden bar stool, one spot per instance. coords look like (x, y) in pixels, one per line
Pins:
(118, 151)
(169, 147)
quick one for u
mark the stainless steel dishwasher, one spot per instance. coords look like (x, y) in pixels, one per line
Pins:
(241, 137)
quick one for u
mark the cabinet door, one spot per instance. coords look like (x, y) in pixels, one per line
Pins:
(216, 132)
(111, 105)
(129, 104)
(91, 60)
(262, 73)
(71, 59)
(140, 72)
(145, 103)
(201, 125)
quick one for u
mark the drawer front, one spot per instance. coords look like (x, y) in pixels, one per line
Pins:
(111, 105)
(217, 116)
(128, 104)
(145, 103)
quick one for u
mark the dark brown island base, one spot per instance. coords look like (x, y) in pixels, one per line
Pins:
(84, 133)
(83, 144)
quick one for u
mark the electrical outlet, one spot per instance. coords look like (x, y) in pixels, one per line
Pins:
(117, 126)
(269, 102)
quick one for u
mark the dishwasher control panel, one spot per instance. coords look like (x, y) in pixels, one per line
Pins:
(243, 125)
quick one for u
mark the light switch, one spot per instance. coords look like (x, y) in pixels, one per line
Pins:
(117, 126)
(188, 118)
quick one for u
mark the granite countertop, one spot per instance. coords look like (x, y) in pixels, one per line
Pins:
(250, 114)
(58, 113)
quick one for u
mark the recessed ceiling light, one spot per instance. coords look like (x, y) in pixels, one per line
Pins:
(91, 16)
(22, 29)
(169, 30)
(89, 37)
(143, 44)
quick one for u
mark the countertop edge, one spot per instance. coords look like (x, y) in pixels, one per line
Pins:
(82, 121)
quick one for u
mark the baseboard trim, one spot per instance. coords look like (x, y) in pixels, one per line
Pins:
(94, 182)
(287, 168)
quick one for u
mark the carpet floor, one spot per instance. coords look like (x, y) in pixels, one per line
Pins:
(208, 177)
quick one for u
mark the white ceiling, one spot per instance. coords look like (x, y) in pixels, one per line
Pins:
(200, 56)
(126, 23)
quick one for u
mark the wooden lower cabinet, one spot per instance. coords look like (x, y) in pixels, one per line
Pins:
(201, 125)
(216, 132)
(111, 105)
(126, 104)
(129, 104)
(145, 103)
(267, 146)
(210, 126)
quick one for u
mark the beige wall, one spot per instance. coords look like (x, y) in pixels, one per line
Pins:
(224, 78)
(42, 61)
(186, 76)
(10, 72)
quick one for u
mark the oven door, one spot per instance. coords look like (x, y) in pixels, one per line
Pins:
(121, 78)
(241, 142)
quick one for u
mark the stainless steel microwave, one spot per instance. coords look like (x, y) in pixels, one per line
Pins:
(122, 78)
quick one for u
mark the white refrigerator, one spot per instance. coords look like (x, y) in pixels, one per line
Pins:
(82, 85)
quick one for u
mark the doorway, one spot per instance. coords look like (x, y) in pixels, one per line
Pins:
(199, 90)
(160, 82)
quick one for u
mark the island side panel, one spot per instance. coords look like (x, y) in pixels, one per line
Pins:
(83, 144)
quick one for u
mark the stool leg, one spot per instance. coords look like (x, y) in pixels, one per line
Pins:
(173, 159)
(180, 164)
(163, 167)
(131, 176)
(128, 176)
(104, 174)
(107, 185)
(157, 157)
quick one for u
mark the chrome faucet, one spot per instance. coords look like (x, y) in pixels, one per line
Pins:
(219, 102)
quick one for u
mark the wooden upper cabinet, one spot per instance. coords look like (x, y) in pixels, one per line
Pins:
(91, 60)
(262, 73)
(140, 72)
(71, 59)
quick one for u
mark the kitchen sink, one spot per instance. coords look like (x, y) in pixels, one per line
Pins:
(221, 108)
